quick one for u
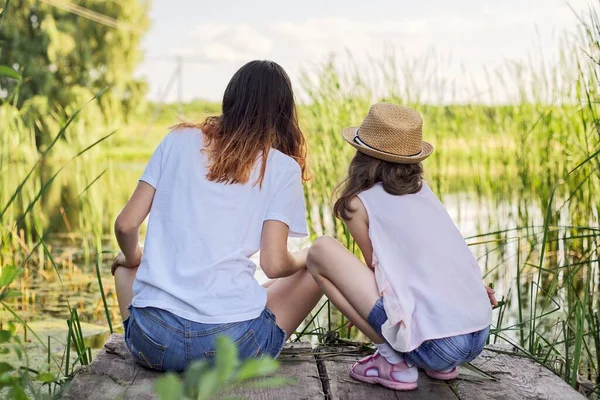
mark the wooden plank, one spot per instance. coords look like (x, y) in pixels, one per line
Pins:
(298, 363)
(343, 387)
(517, 378)
(114, 374)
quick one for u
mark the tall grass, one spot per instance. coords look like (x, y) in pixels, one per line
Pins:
(528, 170)
(24, 229)
(536, 158)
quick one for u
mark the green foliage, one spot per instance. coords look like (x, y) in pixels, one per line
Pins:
(64, 58)
(9, 72)
(20, 381)
(200, 381)
(59, 51)
(16, 381)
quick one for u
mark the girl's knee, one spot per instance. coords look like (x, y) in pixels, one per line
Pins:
(318, 252)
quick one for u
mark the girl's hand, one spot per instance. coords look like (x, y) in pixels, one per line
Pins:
(121, 261)
(490, 293)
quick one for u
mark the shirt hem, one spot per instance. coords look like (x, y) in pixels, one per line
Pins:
(226, 319)
(434, 337)
(294, 231)
(149, 180)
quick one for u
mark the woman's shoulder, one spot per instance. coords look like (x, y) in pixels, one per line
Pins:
(181, 136)
(185, 130)
(283, 163)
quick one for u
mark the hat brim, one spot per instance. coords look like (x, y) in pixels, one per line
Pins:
(426, 150)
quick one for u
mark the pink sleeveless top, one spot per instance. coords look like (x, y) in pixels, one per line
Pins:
(429, 279)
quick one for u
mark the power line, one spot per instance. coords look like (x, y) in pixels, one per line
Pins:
(89, 14)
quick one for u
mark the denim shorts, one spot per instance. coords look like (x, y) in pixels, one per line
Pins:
(163, 341)
(436, 354)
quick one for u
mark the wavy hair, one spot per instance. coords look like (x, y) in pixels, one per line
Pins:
(258, 114)
(365, 171)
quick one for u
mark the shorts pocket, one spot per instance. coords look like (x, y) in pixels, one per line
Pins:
(247, 346)
(147, 351)
(270, 314)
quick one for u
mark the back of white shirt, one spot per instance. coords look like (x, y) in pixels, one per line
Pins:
(430, 282)
(201, 234)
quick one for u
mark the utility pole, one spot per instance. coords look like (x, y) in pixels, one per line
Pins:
(175, 79)
(180, 83)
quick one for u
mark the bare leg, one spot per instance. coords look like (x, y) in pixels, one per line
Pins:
(292, 298)
(347, 282)
(124, 278)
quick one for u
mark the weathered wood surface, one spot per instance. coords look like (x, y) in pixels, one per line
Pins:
(298, 363)
(336, 363)
(113, 375)
(516, 378)
(324, 375)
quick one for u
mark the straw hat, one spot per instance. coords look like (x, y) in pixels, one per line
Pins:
(390, 133)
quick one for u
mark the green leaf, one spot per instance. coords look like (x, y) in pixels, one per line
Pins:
(226, 358)
(192, 376)
(254, 368)
(9, 72)
(5, 336)
(169, 387)
(46, 377)
(11, 294)
(209, 383)
(4, 350)
(9, 273)
(5, 367)
(17, 393)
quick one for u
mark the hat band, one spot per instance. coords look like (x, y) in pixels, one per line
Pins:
(359, 141)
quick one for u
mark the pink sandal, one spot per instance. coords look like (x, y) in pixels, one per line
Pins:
(443, 376)
(375, 369)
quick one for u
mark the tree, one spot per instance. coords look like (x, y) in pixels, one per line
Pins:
(65, 57)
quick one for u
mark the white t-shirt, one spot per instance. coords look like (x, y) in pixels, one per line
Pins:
(201, 234)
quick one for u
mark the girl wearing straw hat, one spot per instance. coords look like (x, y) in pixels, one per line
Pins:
(419, 297)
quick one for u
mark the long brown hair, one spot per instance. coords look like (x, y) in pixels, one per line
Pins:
(259, 113)
(365, 171)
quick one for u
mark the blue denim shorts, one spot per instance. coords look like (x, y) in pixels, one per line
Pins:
(163, 341)
(436, 354)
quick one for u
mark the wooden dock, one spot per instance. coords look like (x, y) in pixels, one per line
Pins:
(322, 374)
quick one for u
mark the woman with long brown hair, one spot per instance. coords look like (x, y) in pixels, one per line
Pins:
(217, 192)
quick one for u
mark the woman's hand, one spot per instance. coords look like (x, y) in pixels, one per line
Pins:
(121, 261)
(490, 293)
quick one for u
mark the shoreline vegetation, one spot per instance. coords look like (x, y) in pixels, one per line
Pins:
(523, 178)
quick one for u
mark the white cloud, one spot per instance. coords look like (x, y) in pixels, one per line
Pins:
(475, 40)
(224, 42)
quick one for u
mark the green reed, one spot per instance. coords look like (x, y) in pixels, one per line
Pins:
(25, 228)
(537, 157)
(532, 164)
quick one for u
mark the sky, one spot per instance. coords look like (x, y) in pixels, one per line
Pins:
(464, 38)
